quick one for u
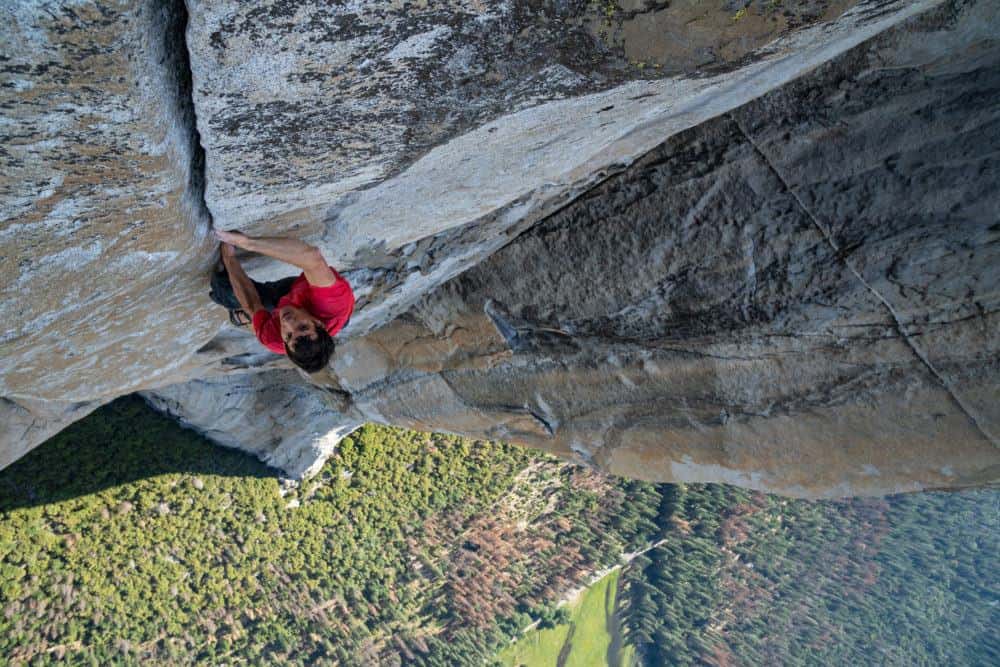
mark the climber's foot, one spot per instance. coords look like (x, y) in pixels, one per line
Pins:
(239, 317)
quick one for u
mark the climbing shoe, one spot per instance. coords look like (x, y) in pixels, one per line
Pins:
(239, 317)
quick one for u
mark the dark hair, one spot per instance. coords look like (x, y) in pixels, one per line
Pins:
(312, 355)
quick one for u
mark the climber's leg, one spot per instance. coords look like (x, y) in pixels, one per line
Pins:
(222, 294)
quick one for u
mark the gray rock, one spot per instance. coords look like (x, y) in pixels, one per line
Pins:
(776, 266)
(502, 156)
(285, 421)
(103, 230)
(301, 103)
(28, 423)
(768, 299)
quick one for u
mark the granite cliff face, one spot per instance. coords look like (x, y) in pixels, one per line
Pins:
(770, 257)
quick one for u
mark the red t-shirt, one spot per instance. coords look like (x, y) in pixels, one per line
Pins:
(332, 304)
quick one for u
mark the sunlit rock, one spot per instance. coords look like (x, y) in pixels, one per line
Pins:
(767, 257)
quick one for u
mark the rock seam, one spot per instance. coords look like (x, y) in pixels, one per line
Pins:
(897, 321)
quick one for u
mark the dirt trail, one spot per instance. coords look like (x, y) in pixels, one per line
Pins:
(566, 647)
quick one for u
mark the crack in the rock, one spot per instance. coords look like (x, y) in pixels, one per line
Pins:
(897, 320)
(176, 59)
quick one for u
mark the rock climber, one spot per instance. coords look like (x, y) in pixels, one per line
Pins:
(298, 315)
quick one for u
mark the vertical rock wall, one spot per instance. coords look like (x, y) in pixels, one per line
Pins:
(279, 417)
(104, 232)
(799, 296)
(772, 264)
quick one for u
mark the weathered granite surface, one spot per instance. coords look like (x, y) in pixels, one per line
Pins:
(772, 265)
(103, 230)
(801, 295)
(27, 423)
(279, 417)
(443, 164)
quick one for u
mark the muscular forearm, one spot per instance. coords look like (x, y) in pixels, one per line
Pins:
(293, 251)
(243, 287)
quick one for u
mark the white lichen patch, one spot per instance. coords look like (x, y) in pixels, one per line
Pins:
(419, 46)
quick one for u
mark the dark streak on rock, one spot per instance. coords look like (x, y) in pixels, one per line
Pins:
(177, 64)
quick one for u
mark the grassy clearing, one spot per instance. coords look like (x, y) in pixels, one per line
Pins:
(584, 640)
(592, 635)
(538, 647)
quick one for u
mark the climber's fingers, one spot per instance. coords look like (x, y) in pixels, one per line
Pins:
(234, 238)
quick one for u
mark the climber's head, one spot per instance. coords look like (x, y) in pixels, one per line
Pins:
(307, 342)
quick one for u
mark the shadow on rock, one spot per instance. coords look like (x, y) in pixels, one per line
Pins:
(119, 443)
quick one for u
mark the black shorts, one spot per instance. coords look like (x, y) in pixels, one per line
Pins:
(222, 291)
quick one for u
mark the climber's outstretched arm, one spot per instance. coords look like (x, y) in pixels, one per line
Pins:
(293, 251)
(243, 287)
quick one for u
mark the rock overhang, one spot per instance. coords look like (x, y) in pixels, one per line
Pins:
(421, 196)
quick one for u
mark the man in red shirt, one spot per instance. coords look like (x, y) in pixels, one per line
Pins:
(300, 322)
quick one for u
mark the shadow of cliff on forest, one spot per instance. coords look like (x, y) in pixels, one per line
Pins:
(119, 443)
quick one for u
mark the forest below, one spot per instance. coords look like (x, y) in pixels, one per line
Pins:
(126, 539)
